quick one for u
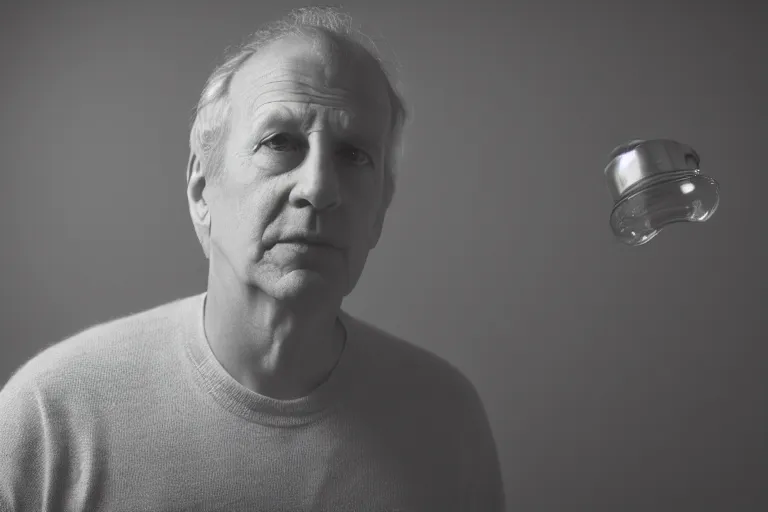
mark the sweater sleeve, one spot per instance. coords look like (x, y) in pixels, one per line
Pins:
(23, 448)
(481, 466)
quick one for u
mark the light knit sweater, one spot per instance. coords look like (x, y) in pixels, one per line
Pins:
(136, 414)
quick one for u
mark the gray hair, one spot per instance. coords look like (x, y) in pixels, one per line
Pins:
(211, 121)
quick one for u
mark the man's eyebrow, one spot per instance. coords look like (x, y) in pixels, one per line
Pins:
(335, 96)
(302, 119)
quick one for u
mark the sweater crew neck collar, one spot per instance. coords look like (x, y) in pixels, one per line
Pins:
(216, 382)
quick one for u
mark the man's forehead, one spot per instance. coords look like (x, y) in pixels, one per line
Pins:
(333, 71)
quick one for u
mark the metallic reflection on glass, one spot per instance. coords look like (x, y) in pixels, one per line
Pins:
(655, 183)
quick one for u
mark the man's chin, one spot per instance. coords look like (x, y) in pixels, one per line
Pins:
(304, 283)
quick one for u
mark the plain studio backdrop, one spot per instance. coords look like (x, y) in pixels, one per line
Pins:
(616, 378)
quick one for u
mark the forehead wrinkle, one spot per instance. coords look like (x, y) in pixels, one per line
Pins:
(308, 113)
(351, 112)
(338, 97)
(293, 73)
(288, 71)
(344, 102)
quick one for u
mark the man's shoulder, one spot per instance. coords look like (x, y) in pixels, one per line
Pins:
(100, 346)
(392, 354)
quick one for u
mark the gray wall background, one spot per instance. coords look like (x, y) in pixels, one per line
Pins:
(616, 378)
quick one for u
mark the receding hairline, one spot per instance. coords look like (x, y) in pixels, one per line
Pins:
(344, 58)
(330, 40)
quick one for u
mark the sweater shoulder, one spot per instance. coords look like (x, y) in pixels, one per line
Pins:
(103, 347)
(391, 355)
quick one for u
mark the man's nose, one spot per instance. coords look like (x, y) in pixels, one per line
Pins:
(317, 180)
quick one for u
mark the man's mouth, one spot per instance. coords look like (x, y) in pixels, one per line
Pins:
(308, 243)
(312, 240)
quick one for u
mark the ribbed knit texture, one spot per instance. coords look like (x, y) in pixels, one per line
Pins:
(136, 414)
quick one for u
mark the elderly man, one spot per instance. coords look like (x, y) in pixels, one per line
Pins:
(261, 393)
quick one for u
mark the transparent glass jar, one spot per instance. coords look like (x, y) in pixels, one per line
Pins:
(655, 183)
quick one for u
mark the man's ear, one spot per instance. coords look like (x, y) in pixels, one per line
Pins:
(198, 207)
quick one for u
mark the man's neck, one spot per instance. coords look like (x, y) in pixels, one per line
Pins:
(279, 350)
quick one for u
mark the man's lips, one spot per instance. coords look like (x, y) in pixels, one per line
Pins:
(298, 241)
(308, 241)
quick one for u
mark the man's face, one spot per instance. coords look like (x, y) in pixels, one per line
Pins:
(304, 156)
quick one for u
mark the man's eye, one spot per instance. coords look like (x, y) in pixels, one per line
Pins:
(355, 155)
(281, 142)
